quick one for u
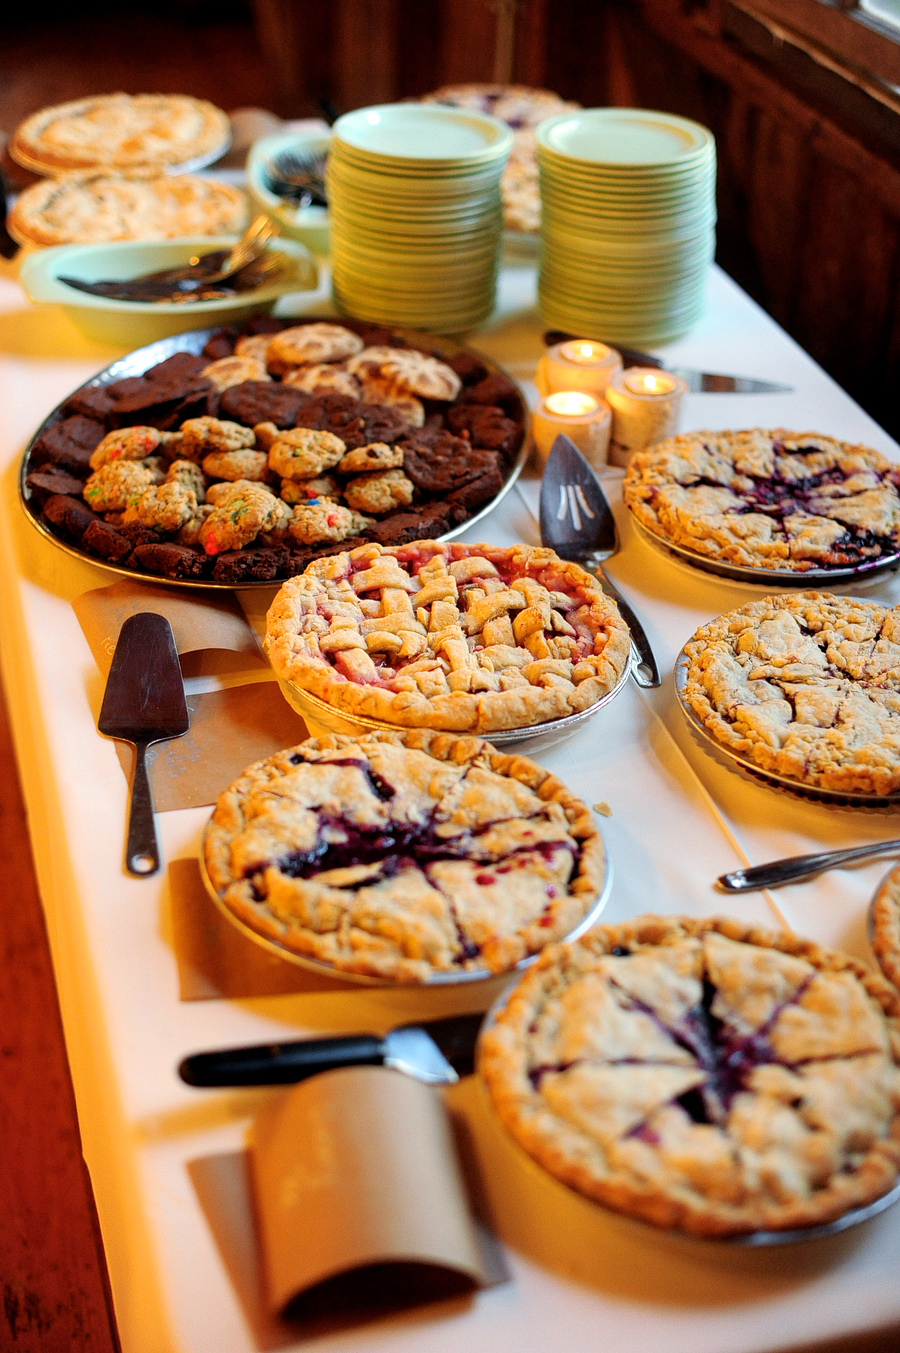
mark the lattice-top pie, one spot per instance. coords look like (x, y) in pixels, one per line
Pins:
(775, 500)
(469, 638)
(703, 1075)
(404, 855)
(120, 131)
(886, 926)
(807, 686)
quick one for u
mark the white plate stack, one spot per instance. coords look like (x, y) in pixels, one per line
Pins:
(416, 221)
(628, 200)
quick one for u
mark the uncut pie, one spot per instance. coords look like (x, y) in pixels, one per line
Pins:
(121, 132)
(703, 1075)
(469, 638)
(778, 500)
(403, 856)
(806, 686)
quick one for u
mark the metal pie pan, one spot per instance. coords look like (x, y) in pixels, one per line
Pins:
(437, 979)
(141, 359)
(748, 1240)
(768, 577)
(320, 717)
(838, 797)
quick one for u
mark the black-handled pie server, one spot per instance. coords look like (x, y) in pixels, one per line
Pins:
(144, 703)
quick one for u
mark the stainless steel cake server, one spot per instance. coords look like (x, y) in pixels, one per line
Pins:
(577, 523)
(144, 703)
(438, 1053)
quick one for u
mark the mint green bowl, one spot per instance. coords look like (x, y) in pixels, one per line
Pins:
(309, 225)
(132, 324)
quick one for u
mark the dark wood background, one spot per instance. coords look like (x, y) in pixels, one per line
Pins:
(809, 224)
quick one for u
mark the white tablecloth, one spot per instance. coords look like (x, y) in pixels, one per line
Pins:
(582, 1278)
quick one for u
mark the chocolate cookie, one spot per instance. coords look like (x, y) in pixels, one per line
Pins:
(254, 402)
(105, 540)
(446, 464)
(353, 420)
(69, 444)
(172, 561)
(222, 343)
(487, 426)
(463, 502)
(237, 566)
(496, 389)
(468, 367)
(70, 515)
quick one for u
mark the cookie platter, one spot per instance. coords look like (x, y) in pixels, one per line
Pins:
(767, 577)
(135, 364)
(817, 793)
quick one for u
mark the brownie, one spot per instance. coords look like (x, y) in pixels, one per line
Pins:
(268, 324)
(92, 401)
(497, 389)
(421, 523)
(44, 483)
(254, 402)
(69, 444)
(69, 515)
(467, 366)
(487, 426)
(173, 561)
(139, 534)
(237, 566)
(162, 397)
(463, 502)
(107, 541)
(300, 558)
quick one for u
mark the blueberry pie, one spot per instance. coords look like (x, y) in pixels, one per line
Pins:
(886, 926)
(402, 856)
(703, 1075)
(806, 686)
(468, 638)
(776, 500)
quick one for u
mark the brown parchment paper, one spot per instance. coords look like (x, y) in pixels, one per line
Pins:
(216, 960)
(353, 1168)
(230, 729)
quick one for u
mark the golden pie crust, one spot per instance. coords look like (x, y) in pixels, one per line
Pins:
(121, 132)
(402, 856)
(806, 686)
(466, 638)
(92, 208)
(885, 924)
(703, 1075)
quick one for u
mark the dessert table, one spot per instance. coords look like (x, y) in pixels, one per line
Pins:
(678, 817)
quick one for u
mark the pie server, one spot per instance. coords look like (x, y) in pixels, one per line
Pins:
(437, 1053)
(577, 523)
(698, 382)
(144, 703)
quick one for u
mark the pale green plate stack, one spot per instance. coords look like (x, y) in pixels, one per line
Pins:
(628, 199)
(416, 222)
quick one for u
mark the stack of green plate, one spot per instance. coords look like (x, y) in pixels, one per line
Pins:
(416, 221)
(628, 223)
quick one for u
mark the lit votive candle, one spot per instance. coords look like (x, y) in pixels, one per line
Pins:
(583, 419)
(645, 404)
(580, 364)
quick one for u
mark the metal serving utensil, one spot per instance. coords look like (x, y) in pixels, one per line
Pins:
(698, 382)
(144, 703)
(297, 176)
(796, 867)
(577, 523)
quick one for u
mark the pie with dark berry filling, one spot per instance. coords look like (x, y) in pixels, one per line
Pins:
(885, 924)
(768, 499)
(460, 637)
(402, 856)
(805, 686)
(703, 1075)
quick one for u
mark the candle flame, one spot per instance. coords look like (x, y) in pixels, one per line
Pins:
(571, 404)
(649, 383)
(584, 352)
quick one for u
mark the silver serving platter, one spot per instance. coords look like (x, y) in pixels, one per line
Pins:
(750, 1240)
(140, 360)
(847, 798)
(438, 979)
(320, 717)
(772, 578)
